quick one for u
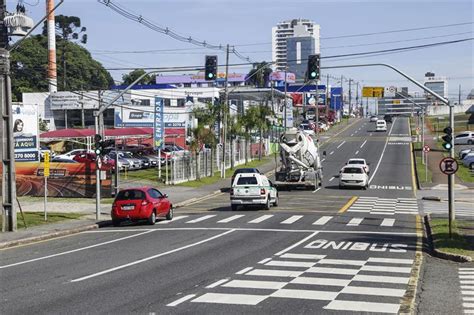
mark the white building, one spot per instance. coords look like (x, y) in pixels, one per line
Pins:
(437, 84)
(289, 29)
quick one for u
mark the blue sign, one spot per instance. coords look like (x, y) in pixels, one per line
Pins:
(158, 124)
(336, 99)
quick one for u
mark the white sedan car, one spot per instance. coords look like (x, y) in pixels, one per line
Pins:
(361, 162)
(353, 176)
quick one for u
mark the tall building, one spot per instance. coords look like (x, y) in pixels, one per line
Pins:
(438, 85)
(294, 29)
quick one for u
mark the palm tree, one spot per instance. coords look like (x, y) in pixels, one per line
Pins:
(259, 75)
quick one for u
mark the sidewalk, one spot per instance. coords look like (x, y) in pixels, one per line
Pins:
(179, 196)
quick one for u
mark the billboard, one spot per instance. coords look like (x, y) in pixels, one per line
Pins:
(158, 124)
(86, 99)
(25, 132)
(141, 116)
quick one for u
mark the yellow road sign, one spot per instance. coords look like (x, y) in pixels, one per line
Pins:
(396, 102)
(373, 91)
(46, 164)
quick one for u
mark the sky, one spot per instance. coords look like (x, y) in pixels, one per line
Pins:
(117, 42)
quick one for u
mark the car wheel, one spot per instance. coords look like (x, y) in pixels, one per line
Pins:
(152, 218)
(170, 214)
(275, 203)
(116, 222)
(233, 207)
(470, 142)
(471, 166)
(267, 205)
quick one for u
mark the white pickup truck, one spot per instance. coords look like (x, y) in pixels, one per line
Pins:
(250, 189)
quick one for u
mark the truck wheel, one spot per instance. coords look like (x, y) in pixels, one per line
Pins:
(267, 205)
(233, 207)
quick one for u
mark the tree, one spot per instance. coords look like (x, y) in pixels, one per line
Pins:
(135, 74)
(29, 64)
(259, 75)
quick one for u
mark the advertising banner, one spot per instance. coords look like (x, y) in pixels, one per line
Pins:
(158, 124)
(144, 116)
(25, 132)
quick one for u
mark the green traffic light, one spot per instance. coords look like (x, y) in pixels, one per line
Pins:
(313, 74)
(210, 75)
(447, 146)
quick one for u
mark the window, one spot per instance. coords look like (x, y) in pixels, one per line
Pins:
(352, 170)
(130, 195)
(247, 181)
(356, 162)
(155, 194)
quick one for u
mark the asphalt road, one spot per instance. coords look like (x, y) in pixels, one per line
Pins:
(315, 253)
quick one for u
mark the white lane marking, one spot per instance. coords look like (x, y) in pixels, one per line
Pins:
(373, 291)
(383, 152)
(323, 160)
(331, 179)
(466, 269)
(332, 152)
(202, 218)
(174, 219)
(305, 294)
(241, 272)
(292, 219)
(467, 292)
(221, 298)
(355, 221)
(386, 269)
(321, 281)
(323, 220)
(274, 273)
(296, 244)
(262, 218)
(251, 284)
(466, 277)
(341, 305)
(232, 218)
(181, 300)
(370, 134)
(467, 282)
(74, 250)
(315, 191)
(341, 144)
(467, 287)
(264, 260)
(217, 283)
(387, 222)
(342, 262)
(352, 134)
(303, 256)
(136, 262)
(380, 279)
(299, 264)
(390, 260)
(357, 152)
(362, 145)
(333, 271)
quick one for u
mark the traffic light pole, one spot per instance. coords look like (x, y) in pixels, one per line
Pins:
(225, 108)
(451, 210)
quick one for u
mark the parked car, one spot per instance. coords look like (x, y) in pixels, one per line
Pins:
(122, 163)
(323, 126)
(465, 152)
(388, 118)
(134, 164)
(71, 154)
(107, 163)
(174, 150)
(353, 176)
(381, 125)
(142, 203)
(242, 171)
(144, 161)
(306, 128)
(468, 161)
(359, 162)
(253, 190)
(59, 160)
(373, 118)
(466, 137)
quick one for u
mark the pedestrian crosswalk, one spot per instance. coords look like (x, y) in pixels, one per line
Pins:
(466, 280)
(284, 220)
(373, 284)
(437, 208)
(385, 206)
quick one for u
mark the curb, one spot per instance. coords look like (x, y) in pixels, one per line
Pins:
(48, 236)
(437, 253)
(432, 198)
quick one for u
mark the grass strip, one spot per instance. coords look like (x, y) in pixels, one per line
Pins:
(459, 244)
(37, 218)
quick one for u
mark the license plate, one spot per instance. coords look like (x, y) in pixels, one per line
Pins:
(128, 207)
(352, 181)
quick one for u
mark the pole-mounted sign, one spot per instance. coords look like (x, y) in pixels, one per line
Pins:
(158, 124)
(448, 166)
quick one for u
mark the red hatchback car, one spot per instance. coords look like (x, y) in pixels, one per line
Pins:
(143, 203)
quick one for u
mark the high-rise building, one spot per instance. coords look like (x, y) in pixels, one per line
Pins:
(294, 29)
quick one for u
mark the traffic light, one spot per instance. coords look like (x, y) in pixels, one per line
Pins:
(448, 138)
(211, 68)
(314, 68)
(98, 145)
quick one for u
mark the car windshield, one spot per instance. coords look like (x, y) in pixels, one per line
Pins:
(247, 181)
(352, 170)
(130, 195)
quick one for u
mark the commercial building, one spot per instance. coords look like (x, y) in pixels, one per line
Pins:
(290, 29)
(437, 84)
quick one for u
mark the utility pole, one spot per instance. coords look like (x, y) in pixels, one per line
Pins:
(7, 148)
(459, 95)
(225, 108)
(52, 69)
(342, 95)
(357, 95)
(350, 98)
(452, 214)
(285, 102)
(327, 96)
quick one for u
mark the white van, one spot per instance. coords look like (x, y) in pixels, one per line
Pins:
(381, 125)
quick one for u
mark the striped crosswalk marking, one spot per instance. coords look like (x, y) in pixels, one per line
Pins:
(305, 294)
(274, 273)
(355, 221)
(174, 219)
(334, 271)
(387, 222)
(232, 218)
(323, 220)
(380, 279)
(342, 262)
(356, 306)
(466, 279)
(302, 256)
(387, 269)
(262, 218)
(373, 291)
(202, 218)
(301, 264)
(251, 284)
(321, 281)
(240, 299)
(292, 219)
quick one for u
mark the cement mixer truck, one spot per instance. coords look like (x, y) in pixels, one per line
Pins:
(300, 161)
